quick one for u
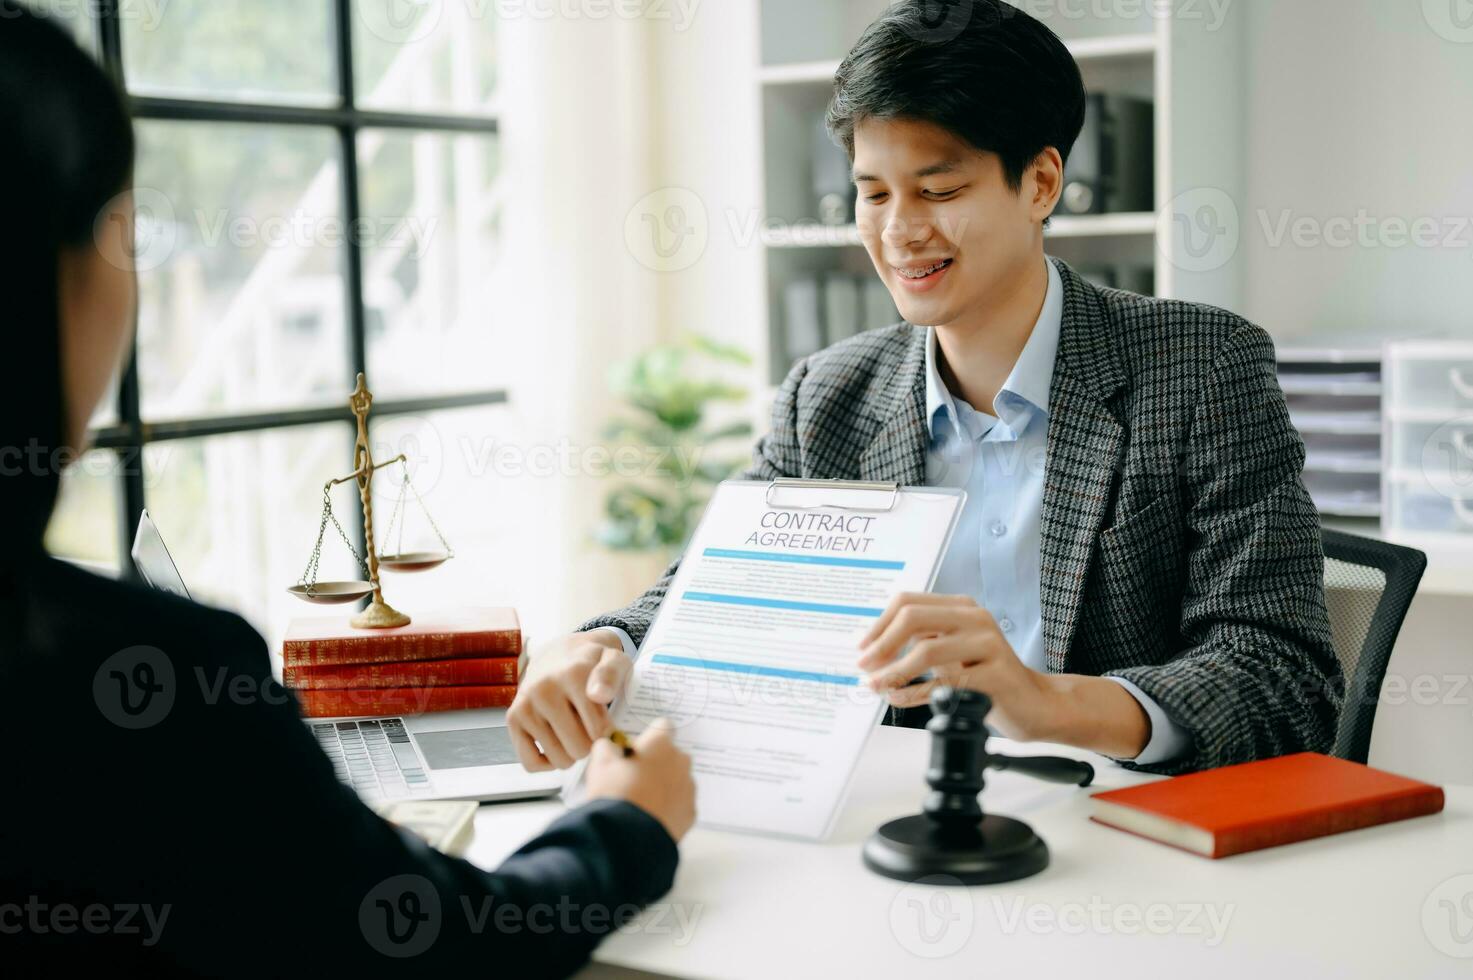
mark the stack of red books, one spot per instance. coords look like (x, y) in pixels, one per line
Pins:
(466, 659)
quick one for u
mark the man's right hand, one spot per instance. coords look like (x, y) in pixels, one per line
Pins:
(562, 700)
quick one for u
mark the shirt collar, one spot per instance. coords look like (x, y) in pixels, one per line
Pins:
(1032, 376)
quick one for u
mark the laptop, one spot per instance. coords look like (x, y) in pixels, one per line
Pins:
(446, 755)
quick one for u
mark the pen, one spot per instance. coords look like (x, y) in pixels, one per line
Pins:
(622, 740)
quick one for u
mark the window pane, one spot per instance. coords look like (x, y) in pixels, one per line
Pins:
(71, 16)
(240, 260)
(106, 412)
(84, 525)
(240, 514)
(432, 206)
(431, 57)
(245, 50)
(492, 521)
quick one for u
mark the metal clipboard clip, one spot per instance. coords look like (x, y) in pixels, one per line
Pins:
(807, 483)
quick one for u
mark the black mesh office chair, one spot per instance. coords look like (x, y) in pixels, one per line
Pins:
(1368, 586)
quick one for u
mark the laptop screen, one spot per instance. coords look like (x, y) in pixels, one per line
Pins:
(153, 561)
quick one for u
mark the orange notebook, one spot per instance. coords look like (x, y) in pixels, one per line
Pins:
(1261, 804)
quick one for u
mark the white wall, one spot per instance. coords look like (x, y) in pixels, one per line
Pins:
(1351, 105)
(602, 113)
(1362, 109)
(709, 112)
(1424, 723)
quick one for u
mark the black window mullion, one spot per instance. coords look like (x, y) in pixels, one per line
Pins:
(352, 209)
(128, 437)
(129, 450)
(204, 110)
(122, 436)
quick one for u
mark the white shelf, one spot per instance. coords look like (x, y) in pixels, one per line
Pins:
(1329, 355)
(1101, 225)
(1336, 423)
(1368, 508)
(814, 235)
(1310, 384)
(1085, 51)
(1417, 477)
(808, 235)
(1324, 462)
(1438, 416)
(1118, 46)
(798, 73)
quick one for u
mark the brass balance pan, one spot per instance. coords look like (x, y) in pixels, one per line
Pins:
(332, 593)
(413, 561)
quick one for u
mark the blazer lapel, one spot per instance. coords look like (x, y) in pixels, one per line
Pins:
(1086, 444)
(898, 451)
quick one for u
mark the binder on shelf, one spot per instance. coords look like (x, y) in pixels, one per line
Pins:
(834, 194)
(1112, 166)
(841, 311)
(804, 316)
(879, 305)
(1333, 390)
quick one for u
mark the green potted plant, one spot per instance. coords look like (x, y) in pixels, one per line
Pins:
(670, 390)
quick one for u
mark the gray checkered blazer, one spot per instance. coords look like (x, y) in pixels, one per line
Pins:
(1179, 548)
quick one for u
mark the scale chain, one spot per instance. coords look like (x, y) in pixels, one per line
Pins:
(426, 511)
(394, 515)
(309, 576)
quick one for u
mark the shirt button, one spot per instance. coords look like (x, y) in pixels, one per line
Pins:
(1005, 624)
(999, 529)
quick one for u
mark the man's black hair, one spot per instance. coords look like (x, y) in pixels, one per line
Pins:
(983, 70)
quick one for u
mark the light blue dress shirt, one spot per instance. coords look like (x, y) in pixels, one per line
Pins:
(1000, 460)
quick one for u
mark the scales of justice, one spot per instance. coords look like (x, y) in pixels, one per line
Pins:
(378, 614)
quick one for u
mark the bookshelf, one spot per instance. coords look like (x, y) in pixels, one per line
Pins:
(1187, 68)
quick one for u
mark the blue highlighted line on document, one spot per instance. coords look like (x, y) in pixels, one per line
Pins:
(893, 566)
(752, 600)
(754, 669)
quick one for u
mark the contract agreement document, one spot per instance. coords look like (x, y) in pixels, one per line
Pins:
(752, 653)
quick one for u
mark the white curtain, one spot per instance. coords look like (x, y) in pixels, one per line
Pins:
(578, 123)
(597, 114)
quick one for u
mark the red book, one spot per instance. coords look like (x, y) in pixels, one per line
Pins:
(330, 640)
(409, 673)
(377, 701)
(1261, 804)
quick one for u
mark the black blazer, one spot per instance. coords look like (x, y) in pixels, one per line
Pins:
(206, 834)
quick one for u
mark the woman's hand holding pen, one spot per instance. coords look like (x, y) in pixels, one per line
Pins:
(561, 714)
(962, 646)
(654, 776)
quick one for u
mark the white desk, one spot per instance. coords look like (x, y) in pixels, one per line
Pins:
(1365, 903)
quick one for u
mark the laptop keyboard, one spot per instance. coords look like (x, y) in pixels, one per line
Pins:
(375, 757)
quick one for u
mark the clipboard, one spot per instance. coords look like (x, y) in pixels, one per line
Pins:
(712, 556)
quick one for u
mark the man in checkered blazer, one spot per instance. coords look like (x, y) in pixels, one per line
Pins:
(1155, 591)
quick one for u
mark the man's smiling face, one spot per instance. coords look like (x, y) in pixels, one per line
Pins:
(945, 232)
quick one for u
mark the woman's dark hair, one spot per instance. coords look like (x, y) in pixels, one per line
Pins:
(68, 152)
(981, 69)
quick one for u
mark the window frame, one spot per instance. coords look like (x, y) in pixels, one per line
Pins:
(127, 437)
